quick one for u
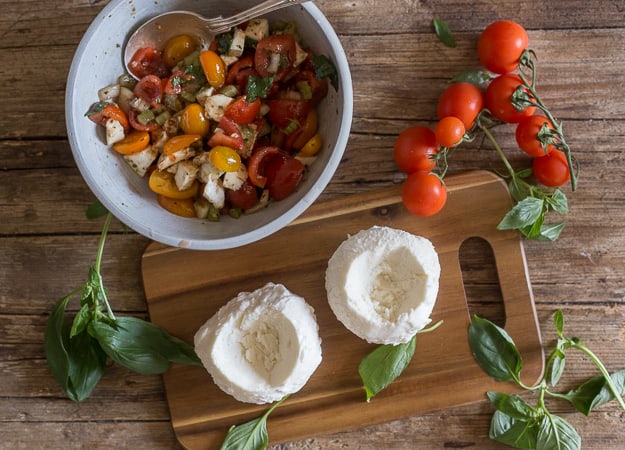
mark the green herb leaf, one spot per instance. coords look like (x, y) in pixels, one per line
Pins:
(557, 434)
(57, 343)
(515, 432)
(250, 435)
(96, 210)
(81, 320)
(550, 232)
(558, 322)
(511, 405)
(383, 365)
(477, 77)
(595, 392)
(557, 202)
(556, 368)
(257, 87)
(523, 214)
(142, 346)
(324, 68)
(443, 32)
(494, 350)
(87, 364)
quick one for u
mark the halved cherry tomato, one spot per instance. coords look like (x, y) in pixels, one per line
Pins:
(173, 84)
(307, 130)
(134, 142)
(243, 112)
(462, 100)
(283, 175)
(178, 48)
(245, 197)
(312, 147)
(179, 206)
(240, 71)
(423, 193)
(224, 158)
(274, 55)
(255, 166)
(150, 89)
(214, 68)
(449, 131)
(101, 112)
(551, 170)
(132, 118)
(500, 46)
(164, 183)
(414, 149)
(231, 136)
(178, 143)
(194, 121)
(283, 111)
(527, 135)
(498, 99)
(148, 61)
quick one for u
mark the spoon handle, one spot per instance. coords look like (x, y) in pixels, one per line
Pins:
(222, 25)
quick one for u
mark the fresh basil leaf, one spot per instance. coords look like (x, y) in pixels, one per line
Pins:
(555, 433)
(494, 350)
(87, 364)
(250, 435)
(511, 405)
(583, 397)
(96, 210)
(558, 322)
(523, 214)
(57, 343)
(515, 432)
(556, 368)
(443, 32)
(557, 202)
(324, 68)
(605, 394)
(257, 87)
(477, 77)
(81, 320)
(550, 232)
(383, 365)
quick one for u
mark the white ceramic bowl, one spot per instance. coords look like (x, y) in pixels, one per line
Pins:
(98, 62)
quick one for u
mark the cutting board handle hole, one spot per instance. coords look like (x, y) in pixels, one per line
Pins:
(481, 281)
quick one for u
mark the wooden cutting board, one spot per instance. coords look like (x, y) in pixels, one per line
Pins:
(185, 287)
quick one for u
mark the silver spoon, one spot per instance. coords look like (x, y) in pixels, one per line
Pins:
(158, 30)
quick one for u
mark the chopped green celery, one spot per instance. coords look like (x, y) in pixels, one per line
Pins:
(213, 214)
(162, 117)
(229, 90)
(127, 81)
(191, 59)
(235, 213)
(291, 127)
(304, 88)
(188, 96)
(144, 117)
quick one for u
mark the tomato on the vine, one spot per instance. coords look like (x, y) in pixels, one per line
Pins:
(423, 193)
(414, 149)
(449, 131)
(500, 46)
(551, 170)
(498, 99)
(462, 100)
(527, 135)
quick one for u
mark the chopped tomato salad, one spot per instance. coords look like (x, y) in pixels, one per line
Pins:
(219, 130)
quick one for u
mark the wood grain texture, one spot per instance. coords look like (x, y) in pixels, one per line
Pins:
(398, 67)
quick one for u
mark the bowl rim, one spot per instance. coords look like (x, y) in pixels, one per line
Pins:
(345, 94)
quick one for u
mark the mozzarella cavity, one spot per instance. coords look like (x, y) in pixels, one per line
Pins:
(261, 345)
(382, 284)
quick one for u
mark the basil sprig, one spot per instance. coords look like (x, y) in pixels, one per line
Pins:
(77, 350)
(515, 422)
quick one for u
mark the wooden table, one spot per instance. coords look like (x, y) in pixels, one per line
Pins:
(399, 68)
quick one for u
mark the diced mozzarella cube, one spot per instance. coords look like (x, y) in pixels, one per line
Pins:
(141, 161)
(257, 29)
(124, 98)
(214, 192)
(114, 131)
(166, 161)
(215, 106)
(203, 94)
(110, 92)
(139, 104)
(229, 60)
(300, 55)
(207, 170)
(186, 174)
(238, 43)
(234, 180)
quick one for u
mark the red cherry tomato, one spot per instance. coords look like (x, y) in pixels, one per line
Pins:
(283, 175)
(148, 61)
(527, 135)
(462, 100)
(240, 71)
(498, 99)
(414, 149)
(449, 131)
(283, 111)
(150, 89)
(245, 197)
(551, 170)
(277, 47)
(132, 118)
(500, 46)
(257, 162)
(423, 193)
(101, 112)
(243, 112)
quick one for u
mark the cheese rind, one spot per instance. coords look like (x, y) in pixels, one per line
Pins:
(261, 345)
(382, 284)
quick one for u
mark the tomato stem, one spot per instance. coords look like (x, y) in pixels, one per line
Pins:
(502, 155)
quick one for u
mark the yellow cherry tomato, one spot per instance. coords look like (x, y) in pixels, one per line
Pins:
(224, 158)
(308, 130)
(180, 207)
(178, 48)
(178, 143)
(214, 68)
(134, 142)
(163, 183)
(194, 121)
(312, 147)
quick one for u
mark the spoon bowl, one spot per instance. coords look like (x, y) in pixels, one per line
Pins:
(157, 31)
